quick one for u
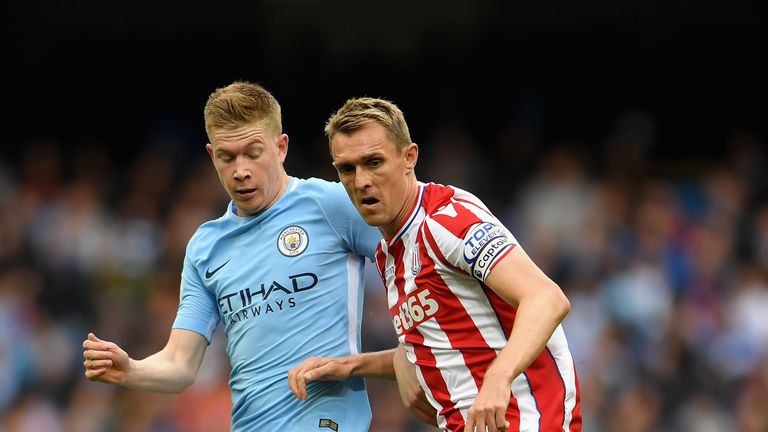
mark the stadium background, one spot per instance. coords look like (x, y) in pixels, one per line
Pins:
(624, 145)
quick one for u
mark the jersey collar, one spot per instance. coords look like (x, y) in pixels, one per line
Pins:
(412, 216)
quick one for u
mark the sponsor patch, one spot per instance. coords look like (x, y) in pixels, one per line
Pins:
(413, 310)
(292, 241)
(328, 423)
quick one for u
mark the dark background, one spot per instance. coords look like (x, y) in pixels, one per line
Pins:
(85, 69)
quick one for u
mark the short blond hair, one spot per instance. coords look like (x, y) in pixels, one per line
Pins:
(359, 112)
(241, 103)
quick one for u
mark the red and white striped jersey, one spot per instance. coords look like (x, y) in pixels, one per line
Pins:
(453, 325)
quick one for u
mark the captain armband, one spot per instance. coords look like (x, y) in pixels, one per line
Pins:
(484, 244)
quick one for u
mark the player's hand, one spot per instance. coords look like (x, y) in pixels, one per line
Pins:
(104, 361)
(491, 404)
(317, 369)
(411, 392)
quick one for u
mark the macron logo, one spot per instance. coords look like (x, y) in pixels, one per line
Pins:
(209, 273)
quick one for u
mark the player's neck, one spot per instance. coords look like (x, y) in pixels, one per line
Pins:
(282, 186)
(409, 203)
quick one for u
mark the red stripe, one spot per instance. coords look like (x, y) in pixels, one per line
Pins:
(432, 376)
(513, 414)
(548, 389)
(504, 311)
(397, 250)
(435, 196)
(427, 233)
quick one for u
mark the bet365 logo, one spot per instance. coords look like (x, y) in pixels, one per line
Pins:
(415, 309)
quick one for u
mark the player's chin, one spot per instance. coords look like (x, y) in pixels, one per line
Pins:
(372, 218)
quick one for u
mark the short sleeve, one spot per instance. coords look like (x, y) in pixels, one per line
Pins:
(469, 237)
(197, 305)
(361, 238)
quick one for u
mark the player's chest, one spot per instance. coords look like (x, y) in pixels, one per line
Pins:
(280, 257)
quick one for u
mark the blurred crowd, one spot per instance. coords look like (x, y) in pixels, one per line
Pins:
(664, 260)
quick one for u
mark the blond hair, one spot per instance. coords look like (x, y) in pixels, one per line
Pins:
(241, 103)
(359, 112)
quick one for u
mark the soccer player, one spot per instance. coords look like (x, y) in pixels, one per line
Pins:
(477, 317)
(281, 270)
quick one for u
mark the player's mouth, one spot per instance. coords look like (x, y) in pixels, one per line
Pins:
(245, 193)
(368, 202)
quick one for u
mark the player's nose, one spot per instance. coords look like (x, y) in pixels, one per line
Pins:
(242, 171)
(362, 178)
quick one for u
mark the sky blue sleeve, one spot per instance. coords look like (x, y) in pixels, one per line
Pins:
(347, 222)
(197, 305)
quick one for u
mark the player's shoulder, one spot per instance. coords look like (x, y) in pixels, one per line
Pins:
(454, 209)
(208, 232)
(328, 195)
(317, 187)
(438, 196)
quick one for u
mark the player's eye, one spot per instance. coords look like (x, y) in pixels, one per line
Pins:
(344, 169)
(375, 163)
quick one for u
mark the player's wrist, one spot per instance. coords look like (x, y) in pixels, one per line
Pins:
(355, 365)
(127, 376)
(498, 373)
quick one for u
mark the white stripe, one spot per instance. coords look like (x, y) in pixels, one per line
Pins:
(458, 378)
(558, 346)
(529, 414)
(355, 266)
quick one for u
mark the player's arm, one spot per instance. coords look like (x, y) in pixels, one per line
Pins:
(376, 364)
(391, 365)
(541, 306)
(170, 370)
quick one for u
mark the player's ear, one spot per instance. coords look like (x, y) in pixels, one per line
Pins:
(411, 155)
(209, 149)
(282, 146)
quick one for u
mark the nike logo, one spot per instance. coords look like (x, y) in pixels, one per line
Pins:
(209, 273)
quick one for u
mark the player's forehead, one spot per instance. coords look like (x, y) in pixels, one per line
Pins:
(250, 133)
(369, 141)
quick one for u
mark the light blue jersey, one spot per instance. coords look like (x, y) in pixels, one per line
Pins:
(287, 284)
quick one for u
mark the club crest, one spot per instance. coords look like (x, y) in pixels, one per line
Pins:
(292, 241)
(415, 261)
